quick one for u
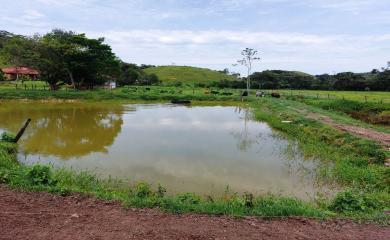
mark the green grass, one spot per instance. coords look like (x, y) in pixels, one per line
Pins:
(125, 93)
(358, 96)
(28, 85)
(187, 75)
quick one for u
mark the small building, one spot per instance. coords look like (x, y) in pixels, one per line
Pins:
(110, 85)
(13, 73)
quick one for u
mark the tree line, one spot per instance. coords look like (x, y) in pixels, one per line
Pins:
(73, 59)
(376, 80)
(65, 57)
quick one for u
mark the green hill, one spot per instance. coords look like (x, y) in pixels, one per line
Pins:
(171, 74)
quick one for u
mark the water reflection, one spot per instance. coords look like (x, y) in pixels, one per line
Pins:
(64, 130)
(196, 149)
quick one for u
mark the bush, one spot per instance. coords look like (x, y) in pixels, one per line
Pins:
(7, 137)
(351, 201)
(142, 190)
(189, 198)
(2, 76)
(40, 175)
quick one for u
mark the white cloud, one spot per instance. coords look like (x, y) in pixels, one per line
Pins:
(185, 37)
(31, 14)
(279, 50)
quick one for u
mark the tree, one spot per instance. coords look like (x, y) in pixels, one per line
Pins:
(130, 74)
(149, 79)
(19, 51)
(2, 77)
(249, 56)
(87, 62)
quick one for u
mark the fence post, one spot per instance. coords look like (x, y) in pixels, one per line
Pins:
(328, 96)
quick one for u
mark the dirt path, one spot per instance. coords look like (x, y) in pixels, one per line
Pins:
(382, 138)
(25, 215)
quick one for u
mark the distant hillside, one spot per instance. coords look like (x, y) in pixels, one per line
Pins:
(187, 74)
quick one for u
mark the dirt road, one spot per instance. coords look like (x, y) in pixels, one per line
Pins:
(25, 215)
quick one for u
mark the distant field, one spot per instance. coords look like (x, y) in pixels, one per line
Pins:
(25, 84)
(171, 74)
(360, 96)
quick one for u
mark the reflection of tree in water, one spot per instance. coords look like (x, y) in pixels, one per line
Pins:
(244, 137)
(65, 131)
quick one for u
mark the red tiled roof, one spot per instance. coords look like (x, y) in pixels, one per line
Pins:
(20, 70)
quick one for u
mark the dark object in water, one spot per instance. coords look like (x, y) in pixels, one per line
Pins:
(21, 131)
(176, 101)
(244, 94)
(147, 89)
(275, 95)
(214, 92)
(227, 93)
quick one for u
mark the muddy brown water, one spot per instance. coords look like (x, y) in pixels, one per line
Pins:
(201, 149)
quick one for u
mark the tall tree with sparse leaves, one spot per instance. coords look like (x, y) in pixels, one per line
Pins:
(249, 57)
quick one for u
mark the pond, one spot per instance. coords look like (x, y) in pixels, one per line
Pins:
(201, 149)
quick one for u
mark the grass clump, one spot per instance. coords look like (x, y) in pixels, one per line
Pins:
(7, 137)
(351, 201)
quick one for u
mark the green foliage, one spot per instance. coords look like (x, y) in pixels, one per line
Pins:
(2, 76)
(129, 75)
(40, 175)
(351, 201)
(275, 79)
(346, 81)
(161, 191)
(7, 137)
(189, 198)
(149, 79)
(64, 57)
(142, 190)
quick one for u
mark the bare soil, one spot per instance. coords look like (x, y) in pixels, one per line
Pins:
(382, 138)
(27, 215)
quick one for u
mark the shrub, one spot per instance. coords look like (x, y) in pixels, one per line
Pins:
(7, 137)
(40, 175)
(142, 190)
(161, 191)
(350, 201)
(189, 198)
(178, 84)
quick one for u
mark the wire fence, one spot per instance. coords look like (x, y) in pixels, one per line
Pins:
(353, 96)
(361, 97)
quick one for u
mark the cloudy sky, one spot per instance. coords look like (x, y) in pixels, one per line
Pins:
(316, 36)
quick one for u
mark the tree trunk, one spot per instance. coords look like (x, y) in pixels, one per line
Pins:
(21, 131)
(71, 79)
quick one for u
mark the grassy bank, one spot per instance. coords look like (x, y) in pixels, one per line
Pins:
(374, 113)
(127, 93)
(357, 164)
(357, 96)
(64, 181)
